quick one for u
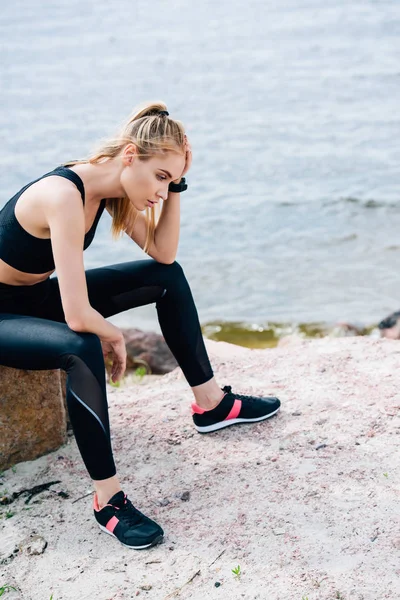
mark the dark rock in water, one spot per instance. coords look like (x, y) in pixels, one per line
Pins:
(390, 326)
(150, 348)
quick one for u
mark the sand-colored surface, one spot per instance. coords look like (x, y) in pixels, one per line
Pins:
(307, 503)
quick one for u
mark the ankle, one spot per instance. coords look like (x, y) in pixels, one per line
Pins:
(106, 490)
(210, 401)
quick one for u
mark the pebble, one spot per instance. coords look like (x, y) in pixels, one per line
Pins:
(33, 545)
(164, 502)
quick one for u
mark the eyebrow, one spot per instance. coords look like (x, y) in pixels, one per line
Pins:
(167, 173)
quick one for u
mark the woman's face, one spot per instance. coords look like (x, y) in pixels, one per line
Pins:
(146, 182)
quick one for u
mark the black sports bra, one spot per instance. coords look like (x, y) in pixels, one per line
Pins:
(24, 251)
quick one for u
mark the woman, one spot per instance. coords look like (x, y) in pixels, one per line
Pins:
(60, 323)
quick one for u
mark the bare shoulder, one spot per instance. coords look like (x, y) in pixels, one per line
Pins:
(58, 193)
(49, 196)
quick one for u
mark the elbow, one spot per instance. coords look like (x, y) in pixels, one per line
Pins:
(77, 321)
(164, 259)
(76, 324)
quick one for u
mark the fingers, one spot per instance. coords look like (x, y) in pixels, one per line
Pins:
(188, 155)
(117, 370)
(119, 361)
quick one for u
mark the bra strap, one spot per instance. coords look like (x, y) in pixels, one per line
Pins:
(72, 176)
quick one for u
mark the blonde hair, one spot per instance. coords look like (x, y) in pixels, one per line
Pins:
(153, 134)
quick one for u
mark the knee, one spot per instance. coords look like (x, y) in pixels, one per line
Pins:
(84, 344)
(174, 277)
(174, 270)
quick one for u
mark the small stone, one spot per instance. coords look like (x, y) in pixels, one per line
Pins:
(278, 531)
(164, 502)
(296, 414)
(146, 588)
(217, 584)
(34, 545)
(185, 496)
(321, 446)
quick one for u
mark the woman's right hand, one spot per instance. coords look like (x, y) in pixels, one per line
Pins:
(115, 345)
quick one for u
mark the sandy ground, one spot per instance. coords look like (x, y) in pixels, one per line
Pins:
(307, 503)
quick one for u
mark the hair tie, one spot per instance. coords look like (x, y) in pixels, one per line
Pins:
(163, 112)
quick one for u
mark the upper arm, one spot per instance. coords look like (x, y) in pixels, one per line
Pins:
(66, 219)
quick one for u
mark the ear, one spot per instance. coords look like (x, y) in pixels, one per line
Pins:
(129, 154)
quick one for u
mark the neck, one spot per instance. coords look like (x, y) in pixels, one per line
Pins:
(100, 180)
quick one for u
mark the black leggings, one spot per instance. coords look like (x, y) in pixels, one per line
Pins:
(34, 335)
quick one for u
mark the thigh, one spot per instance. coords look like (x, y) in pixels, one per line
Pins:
(33, 343)
(115, 288)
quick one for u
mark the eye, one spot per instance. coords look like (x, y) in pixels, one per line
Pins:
(161, 178)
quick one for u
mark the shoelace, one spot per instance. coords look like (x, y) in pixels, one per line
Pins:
(228, 390)
(128, 513)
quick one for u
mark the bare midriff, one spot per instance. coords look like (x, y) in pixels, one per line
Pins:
(11, 276)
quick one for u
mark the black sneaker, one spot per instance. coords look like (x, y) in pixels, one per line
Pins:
(233, 409)
(122, 520)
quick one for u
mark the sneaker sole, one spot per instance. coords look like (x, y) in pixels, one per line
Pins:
(223, 424)
(156, 540)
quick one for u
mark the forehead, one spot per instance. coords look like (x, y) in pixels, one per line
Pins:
(170, 161)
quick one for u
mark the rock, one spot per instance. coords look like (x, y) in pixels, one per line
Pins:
(146, 587)
(390, 326)
(185, 496)
(164, 502)
(345, 330)
(148, 347)
(32, 412)
(33, 545)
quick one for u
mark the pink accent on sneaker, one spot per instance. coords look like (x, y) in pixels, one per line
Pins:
(235, 410)
(199, 411)
(95, 503)
(97, 507)
(112, 523)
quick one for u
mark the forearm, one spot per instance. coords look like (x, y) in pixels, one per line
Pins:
(91, 321)
(166, 236)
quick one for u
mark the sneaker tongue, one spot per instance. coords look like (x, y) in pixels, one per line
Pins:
(118, 499)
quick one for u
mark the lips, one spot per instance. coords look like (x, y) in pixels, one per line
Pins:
(150, 203)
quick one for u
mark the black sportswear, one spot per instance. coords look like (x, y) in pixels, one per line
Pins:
(28, 253)
(234, 408)
(122, 520)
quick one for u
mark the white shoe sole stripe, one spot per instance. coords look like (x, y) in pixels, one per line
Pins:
(223, 424)
(126, 545)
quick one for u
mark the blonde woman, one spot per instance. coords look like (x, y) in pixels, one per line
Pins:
(60, 322)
